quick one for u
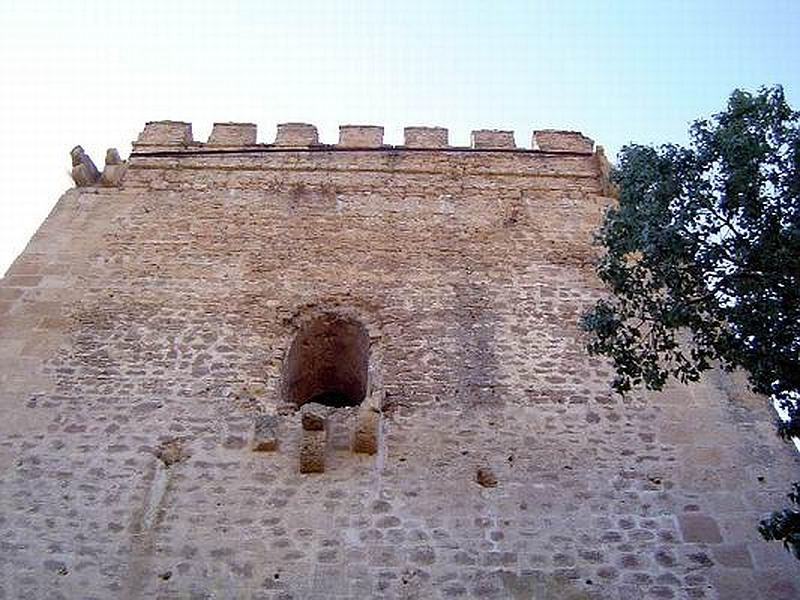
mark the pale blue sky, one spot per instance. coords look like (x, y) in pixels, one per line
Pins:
(93, 72)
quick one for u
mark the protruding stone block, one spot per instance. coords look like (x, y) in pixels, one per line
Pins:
(312, 451)
(166, 133)
(265, 435)
(552, 140)
(361, 136)
(365, 438)
(425, 137)
(297, 135)
(114, 170)
(233, 134)
(313, 416)
(492, 139)
(486, 477)
(84, 171)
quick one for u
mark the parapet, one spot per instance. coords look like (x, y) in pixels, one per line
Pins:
(233, 134)
(296, 135)
(553, 140)
(425, 137)
(168, 136)
(492, 139)
(361, 136)
(166, 133)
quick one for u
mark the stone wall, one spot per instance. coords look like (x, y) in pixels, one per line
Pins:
(146, 328)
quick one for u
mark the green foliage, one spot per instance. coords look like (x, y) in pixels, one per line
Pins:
(702, 258)
(784, 525)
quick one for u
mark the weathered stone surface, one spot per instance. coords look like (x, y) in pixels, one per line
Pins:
(492, 139)
(425, 137)
(84, 171)
(312, 451)
(112, 175)
(733, 555)
(361, 136)
(114, 170)
(552, 140)
(167, 308)
(233, 134)
(113, 157)
(365, 437)
(165, 133)
(699, 528)
(265, 433)
(296, 135)
(313, 416)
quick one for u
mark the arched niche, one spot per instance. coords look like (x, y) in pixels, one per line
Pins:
(328, 362)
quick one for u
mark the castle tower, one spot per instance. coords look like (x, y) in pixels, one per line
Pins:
(236, 369)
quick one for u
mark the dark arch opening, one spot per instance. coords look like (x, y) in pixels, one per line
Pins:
(328, 363)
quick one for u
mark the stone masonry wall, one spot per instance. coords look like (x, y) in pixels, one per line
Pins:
(145, 328)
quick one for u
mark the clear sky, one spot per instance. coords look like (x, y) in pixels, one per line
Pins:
(92, 73)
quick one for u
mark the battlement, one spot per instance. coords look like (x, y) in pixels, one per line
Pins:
(165, 133)
(233, 134)
(425, 137)
(177, 136)
(360, 148)
(297, 135)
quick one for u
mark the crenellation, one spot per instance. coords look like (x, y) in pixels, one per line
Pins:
(233, 134)
(425, 137)
(492, 139)
(296, 135)
(174, 135)
(553, 140)
(165, 133)
(360, 136)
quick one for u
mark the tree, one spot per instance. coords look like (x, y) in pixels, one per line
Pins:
(702, 259)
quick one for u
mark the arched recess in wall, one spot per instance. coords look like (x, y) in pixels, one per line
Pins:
(328, 362)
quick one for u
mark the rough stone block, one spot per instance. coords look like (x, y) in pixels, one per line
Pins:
(312, 451)
(699, 528)
(112, 175)
(314, 416)
(84, 171)
(552, 140)
(733, 555)
(265, 435)
(426, 137)
(165, 133)
(365, 438)
(296, 135)
(233, 134)
(361, 136)
(114, 170)
(490, 139)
